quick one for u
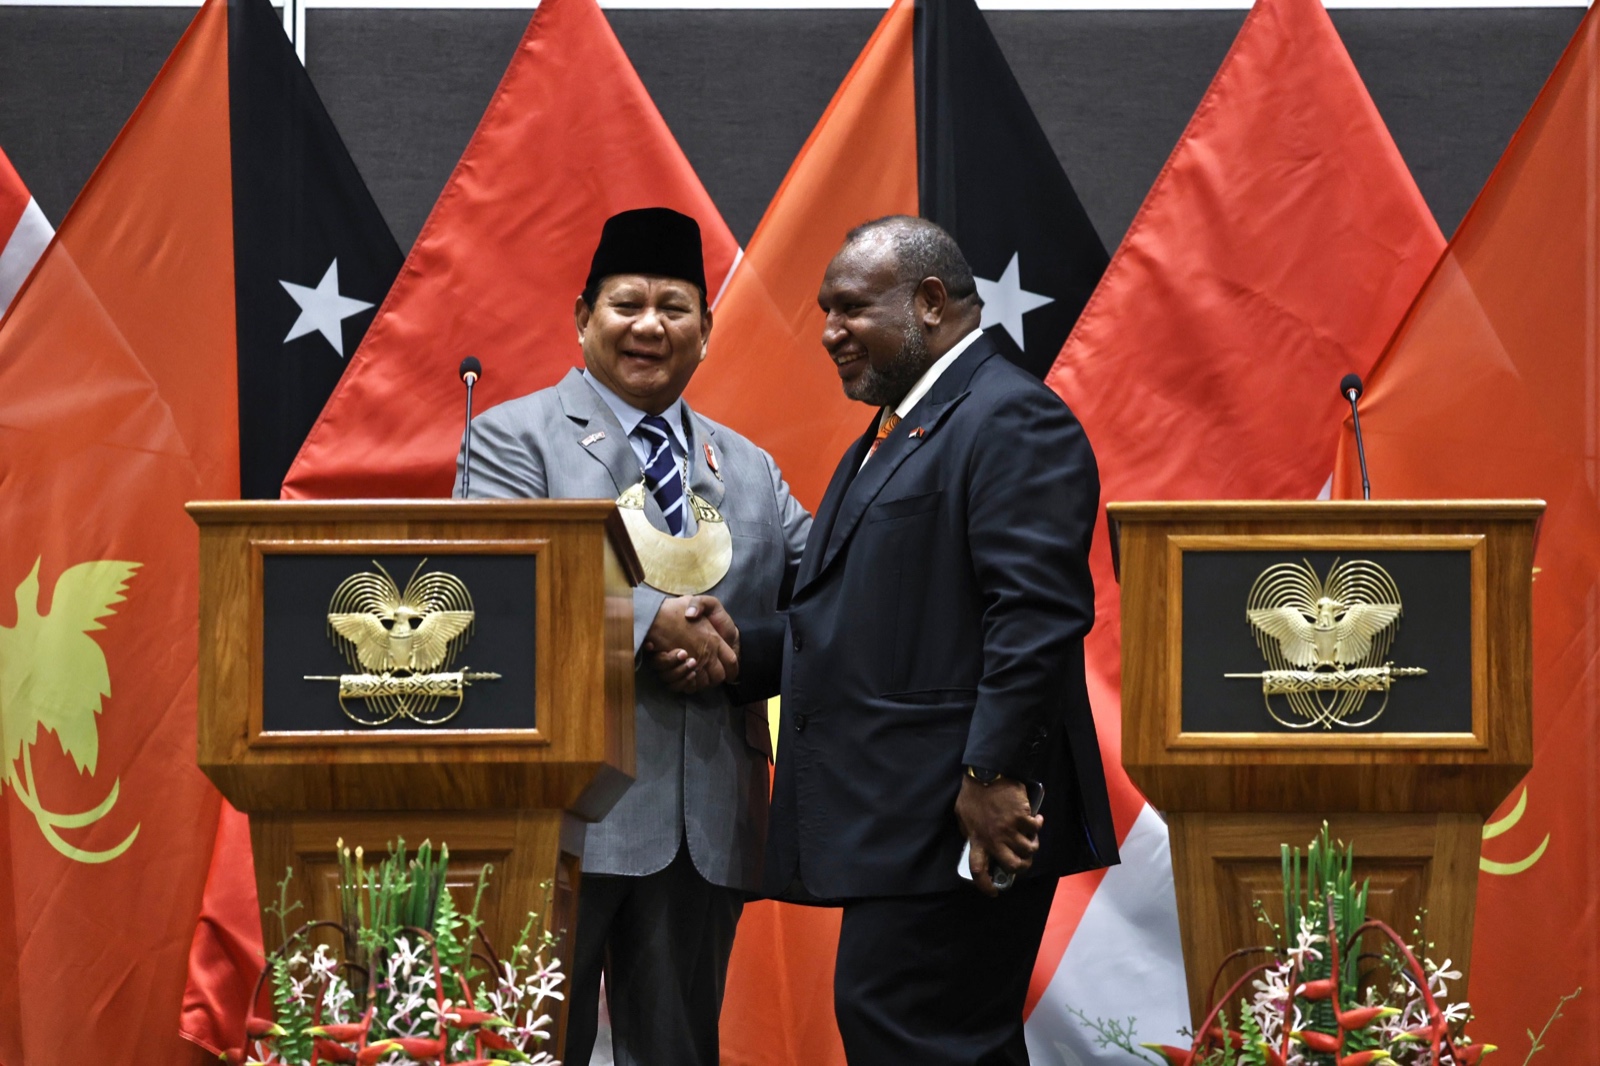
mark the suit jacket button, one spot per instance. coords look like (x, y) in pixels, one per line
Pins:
(799, 723)
(798, 643)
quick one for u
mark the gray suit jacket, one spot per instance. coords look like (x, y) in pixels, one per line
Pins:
(697, 776)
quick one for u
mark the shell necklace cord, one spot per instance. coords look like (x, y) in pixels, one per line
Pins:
(678, 566)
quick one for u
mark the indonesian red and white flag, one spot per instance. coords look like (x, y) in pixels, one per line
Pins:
(24, 232)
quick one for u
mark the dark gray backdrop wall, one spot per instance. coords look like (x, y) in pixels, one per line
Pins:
(742, 89)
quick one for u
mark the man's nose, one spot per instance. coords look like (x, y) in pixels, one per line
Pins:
(833, 331)
(649, 321)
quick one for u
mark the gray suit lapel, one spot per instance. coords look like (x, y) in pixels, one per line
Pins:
(599, 434)
(706, 483)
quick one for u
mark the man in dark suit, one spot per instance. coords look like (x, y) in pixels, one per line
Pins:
(932, 666)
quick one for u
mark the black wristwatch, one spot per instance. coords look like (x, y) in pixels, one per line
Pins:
(982, 776)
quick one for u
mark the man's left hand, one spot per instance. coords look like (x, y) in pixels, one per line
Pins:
(1000, 826)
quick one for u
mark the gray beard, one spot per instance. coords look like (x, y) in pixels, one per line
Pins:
(887, 385)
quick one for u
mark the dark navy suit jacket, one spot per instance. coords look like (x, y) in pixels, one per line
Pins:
(937, 621)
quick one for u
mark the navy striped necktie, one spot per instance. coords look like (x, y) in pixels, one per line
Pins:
(661, 473)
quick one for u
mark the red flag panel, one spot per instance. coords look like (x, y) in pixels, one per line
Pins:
(102, 440)
(1491, 388)
(570, 138)
(1279, 245)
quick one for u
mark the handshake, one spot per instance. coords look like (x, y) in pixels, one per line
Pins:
(693, 644)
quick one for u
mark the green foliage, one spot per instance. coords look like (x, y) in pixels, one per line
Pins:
(288, 1009)
(407, 955)
(1536, 1042)
(1109, 1033)
(1251, 1055)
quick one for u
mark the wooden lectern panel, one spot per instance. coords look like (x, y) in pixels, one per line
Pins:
(580, 756)
(1325, 769)
(315, 747)
(1421, 866)
(1364, 663)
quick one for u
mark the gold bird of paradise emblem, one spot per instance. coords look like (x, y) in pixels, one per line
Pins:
(53, 676)
(405, 642)
(1326, 641)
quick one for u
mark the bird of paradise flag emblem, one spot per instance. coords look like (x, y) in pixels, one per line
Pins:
(53, 675)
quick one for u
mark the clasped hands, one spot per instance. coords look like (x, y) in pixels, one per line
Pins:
(693, 644)
(999, 825)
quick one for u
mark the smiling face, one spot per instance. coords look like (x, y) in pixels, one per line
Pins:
(644, 337)
(873, 329)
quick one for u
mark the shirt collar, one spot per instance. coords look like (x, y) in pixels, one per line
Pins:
(630, 416)
(931, 375)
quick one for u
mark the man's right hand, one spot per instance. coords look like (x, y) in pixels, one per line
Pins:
(693, 644)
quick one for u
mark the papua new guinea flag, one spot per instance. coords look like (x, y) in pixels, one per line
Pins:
(986, 172)
(312, 254)
(930, 121)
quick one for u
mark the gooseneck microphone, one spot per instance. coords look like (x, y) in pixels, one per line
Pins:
(1350, 389)
(470, 370)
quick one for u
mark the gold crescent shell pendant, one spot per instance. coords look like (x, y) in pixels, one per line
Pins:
(678, 566)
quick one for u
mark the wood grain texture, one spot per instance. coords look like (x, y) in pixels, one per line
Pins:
(513, 799)
(1418, 866)
(1412, 805)
(1303, 773)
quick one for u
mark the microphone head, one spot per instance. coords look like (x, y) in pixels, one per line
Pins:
(1350, 383)
(471, 368)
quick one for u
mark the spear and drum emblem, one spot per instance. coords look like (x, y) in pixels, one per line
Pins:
(1326, 641)
(402, 643)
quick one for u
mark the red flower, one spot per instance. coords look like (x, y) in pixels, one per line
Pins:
(1322, 1042)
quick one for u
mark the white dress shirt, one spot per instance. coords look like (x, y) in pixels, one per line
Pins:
(925, 382)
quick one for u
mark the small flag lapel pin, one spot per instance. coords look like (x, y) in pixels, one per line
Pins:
(591, 438)
(711, 461)
(918, 433)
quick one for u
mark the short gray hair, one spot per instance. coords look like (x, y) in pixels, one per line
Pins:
(923, 249)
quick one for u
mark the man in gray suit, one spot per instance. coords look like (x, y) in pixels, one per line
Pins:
(665, 874)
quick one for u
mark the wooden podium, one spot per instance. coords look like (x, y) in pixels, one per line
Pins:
(1425, 729)
(505, 769)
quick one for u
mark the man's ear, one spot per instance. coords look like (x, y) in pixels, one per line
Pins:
(705, 332)
(580, 315)
(932, 301)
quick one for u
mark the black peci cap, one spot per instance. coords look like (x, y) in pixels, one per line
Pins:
(648, 240)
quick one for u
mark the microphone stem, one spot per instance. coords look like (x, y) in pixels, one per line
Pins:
(466, 469)
(1361, 451)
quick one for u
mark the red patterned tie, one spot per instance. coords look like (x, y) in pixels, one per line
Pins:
(885, 427)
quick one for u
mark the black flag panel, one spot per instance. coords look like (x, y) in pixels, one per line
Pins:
(987, 174)
(313, 256)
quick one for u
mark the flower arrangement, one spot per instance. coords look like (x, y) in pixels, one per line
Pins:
(407, 987)
(1319, 999)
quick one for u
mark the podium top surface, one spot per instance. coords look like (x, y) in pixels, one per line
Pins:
(255, 512)
(212, 512)
(1166, 510)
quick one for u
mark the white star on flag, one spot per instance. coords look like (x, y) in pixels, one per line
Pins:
(322, 309)
(1006, 301)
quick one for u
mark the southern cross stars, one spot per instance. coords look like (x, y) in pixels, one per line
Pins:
(1006, 301)
(323, 310)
